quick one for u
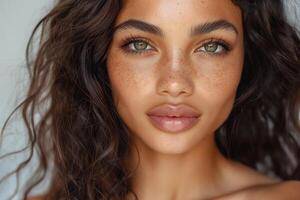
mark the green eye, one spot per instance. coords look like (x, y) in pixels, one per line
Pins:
(136, 46)
(140, 45)
(214, 47)
(211, 47)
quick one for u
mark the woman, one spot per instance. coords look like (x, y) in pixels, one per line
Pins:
(167, 100)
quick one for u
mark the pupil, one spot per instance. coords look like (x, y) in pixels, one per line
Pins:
(211, 47)
(139, 45)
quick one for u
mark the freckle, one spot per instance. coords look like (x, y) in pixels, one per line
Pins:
(127, 76)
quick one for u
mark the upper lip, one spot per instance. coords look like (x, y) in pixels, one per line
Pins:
(169, 110)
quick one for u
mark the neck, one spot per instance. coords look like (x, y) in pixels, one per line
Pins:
(192, 174)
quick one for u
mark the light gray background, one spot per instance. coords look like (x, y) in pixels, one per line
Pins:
(17, 19)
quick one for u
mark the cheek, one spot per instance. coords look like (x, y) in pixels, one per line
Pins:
(221, 80)
(217, 85)
(129, 84)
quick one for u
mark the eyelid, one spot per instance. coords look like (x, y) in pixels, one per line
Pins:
(225, 45)
(131, 39)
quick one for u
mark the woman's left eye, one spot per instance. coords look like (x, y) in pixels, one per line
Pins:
(214, 48)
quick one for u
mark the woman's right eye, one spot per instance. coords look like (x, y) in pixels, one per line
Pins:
(137, 46)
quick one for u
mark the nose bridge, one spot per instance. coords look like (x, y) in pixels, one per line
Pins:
(176, 67)
(176, 75)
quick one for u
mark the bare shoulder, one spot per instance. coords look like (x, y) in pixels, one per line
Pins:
(245, 177)
(287, 190)
(249, 184)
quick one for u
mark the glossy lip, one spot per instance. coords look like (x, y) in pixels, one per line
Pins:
(169, 110)
(174, 119)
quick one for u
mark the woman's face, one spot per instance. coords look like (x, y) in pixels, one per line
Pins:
(193, 56)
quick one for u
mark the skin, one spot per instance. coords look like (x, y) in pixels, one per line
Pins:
(288, 190)
(177, 68)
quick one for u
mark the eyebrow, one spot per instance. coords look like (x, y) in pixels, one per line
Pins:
(203, 28)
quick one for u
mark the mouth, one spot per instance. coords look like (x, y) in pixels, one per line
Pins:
(173, 124)
(173, 119)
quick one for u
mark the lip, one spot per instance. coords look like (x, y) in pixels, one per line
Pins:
(173, 118)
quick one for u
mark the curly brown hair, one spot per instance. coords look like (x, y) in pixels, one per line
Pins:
(81, 130)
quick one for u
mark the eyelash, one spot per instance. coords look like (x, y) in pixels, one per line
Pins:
(131, 39)
(125, 42)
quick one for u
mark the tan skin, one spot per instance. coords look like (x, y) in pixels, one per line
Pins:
(178, 68)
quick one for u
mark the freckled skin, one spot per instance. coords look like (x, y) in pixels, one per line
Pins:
(173, 72)
(184, 165)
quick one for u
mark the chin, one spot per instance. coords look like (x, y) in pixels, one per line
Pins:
(169, 143)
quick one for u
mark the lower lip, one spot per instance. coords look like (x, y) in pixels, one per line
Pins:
(173, 124)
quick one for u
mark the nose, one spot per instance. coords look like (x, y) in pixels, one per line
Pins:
(176, 78)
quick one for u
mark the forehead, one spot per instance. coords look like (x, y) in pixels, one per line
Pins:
(180, 13)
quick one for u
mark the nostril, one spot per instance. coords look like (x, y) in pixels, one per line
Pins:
(175, 85)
